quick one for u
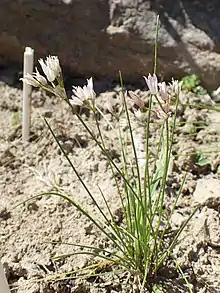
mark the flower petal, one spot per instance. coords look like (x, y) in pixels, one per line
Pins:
(76, 101)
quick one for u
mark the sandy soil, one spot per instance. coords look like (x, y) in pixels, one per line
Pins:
(28, 230)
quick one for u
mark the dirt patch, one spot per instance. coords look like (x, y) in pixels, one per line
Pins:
(27, 231)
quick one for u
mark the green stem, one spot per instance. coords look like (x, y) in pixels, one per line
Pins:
(156, 45)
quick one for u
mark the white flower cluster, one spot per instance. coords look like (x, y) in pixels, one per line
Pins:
(85, 96)
(162, 89)
(51, 69)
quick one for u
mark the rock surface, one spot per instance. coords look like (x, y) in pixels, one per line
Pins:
(100, 37)
(207, 193)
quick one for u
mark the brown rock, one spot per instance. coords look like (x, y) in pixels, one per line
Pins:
(100, 37)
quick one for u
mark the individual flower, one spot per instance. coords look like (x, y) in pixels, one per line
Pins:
(29, 79)
(51, 67)
(136, 99)
(163, 91)
(36, 79)
(83, 95)
(152, 83)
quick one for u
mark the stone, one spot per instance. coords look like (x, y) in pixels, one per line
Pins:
(207, 193)
(205, 226)
(100, 37)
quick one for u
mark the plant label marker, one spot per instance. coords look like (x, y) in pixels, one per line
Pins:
(3, 282)
(27, 89)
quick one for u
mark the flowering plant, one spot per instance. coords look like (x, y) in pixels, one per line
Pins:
(139, 243)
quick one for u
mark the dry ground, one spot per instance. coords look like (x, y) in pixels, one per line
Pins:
(28, 169)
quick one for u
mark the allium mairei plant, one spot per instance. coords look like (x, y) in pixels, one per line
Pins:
(139, 243)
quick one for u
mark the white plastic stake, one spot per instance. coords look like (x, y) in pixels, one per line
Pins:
(4, 288)
(27, 89)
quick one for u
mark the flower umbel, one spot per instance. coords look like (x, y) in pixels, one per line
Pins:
(175, 86)
(152, 83)
(51, 67)
(84, 95)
